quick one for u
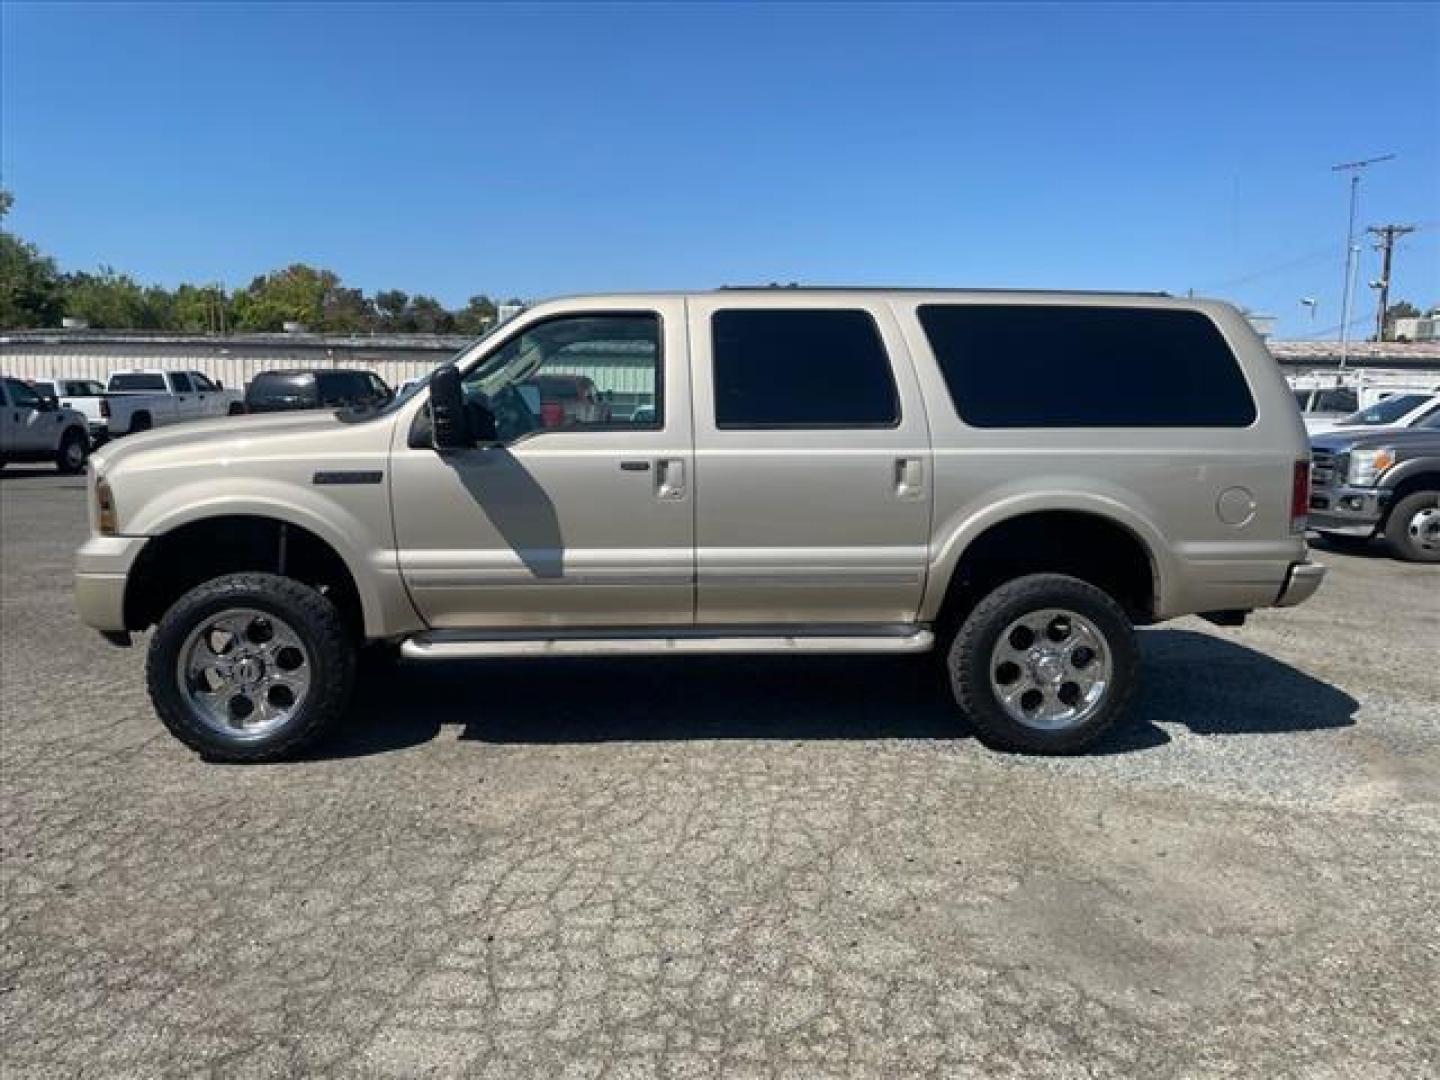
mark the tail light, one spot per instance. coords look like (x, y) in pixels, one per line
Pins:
(1300, 496)
(105, 408)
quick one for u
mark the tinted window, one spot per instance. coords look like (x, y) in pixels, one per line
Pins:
(1336, 401)
(1052, 366)
(341, 387)
(181, 382)
(46, 388)
(282, 391)
(201, 382)
(154, 383)
(801, 369)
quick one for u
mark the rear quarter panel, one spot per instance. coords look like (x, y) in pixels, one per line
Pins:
(1162, 484)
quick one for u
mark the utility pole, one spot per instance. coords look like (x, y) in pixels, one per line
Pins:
(1388, 234)
(1352, 250)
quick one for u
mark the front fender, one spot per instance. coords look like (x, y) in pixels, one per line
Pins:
(366, 550)
(955, 534)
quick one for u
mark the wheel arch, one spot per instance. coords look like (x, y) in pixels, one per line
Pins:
(187, 528)
(1040, 513)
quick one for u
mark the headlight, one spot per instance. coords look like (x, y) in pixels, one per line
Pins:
(105, 521)
(1367, 465)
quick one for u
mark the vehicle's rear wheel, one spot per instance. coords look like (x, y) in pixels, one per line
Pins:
(1413, 528)
(236, 409)
(141, 422)
(1045, 664)
(250, 667)
(74, 449)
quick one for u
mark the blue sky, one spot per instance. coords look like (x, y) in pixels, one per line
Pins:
(542, 150)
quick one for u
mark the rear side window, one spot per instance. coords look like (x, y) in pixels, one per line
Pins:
(789, 368)
(1012, 365)
(294, 390)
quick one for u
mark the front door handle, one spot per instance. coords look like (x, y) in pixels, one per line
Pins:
(634, 466)
(909, 477)
(670, 478)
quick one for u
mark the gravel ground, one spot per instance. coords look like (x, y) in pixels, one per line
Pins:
(729, 868)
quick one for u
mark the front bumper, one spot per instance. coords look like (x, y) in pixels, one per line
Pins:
(1349, 511)
(102, 569)
(1301, 581)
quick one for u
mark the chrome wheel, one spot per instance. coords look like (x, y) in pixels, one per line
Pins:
(244, 672)
(1051, 669)
(1424, 528)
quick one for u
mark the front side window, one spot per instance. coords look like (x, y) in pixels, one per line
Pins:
(793, 368)
(1055, 366)
(181, 382)
(201, 382)
(573, 373)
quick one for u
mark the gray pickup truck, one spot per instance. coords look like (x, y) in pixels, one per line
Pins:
(1367, 483)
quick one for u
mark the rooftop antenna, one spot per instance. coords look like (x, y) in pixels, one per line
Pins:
(1352, 250)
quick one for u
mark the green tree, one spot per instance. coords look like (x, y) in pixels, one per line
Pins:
(200, 309)
(426, 315)
(111, 300)
(30, 287)
(390, 303)
(297, 293)
(477, 316)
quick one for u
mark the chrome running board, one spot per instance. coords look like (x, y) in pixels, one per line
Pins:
(450, 645)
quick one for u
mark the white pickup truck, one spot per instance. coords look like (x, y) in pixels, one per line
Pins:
(143, 399)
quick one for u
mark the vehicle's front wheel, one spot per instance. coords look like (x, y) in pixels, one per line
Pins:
(1045, 664)
(250, 667)
(74, 449)
(1413, 527)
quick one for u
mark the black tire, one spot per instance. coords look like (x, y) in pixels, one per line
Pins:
(74, 449)
(1409, 540)
(315, 620)
(971, 652)
(236, 409)
(141, 422)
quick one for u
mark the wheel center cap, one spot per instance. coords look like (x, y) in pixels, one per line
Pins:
(249, 669)
(1050, 668)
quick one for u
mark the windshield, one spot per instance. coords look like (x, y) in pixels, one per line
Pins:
(408, 392)
(1385, 412)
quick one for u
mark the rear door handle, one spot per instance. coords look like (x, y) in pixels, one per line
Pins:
(635, 466)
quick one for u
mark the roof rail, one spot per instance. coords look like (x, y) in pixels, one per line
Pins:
(793, 285)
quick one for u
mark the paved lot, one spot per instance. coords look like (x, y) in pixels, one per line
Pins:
(689, 868)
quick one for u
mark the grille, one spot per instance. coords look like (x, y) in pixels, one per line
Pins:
(1325, 469)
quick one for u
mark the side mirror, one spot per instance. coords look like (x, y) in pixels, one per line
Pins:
(48, 404)
(448, 420)
(219, 385)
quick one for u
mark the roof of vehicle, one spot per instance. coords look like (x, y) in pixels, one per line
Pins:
(314, 371)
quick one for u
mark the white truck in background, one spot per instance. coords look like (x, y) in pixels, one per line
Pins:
(148, 398)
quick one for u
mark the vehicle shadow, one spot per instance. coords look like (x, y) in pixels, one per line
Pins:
(27, 472)
(1208, 684)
